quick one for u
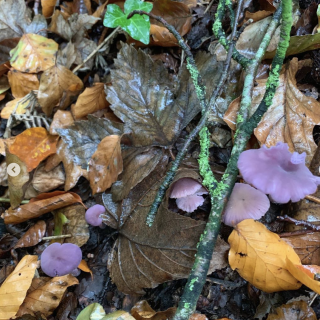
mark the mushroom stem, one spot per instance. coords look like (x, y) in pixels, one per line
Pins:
(63, 236)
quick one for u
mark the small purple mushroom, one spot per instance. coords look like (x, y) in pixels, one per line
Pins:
(93, 215)
(60, 259)
(278, 172)
(188, 194)
(245, 202)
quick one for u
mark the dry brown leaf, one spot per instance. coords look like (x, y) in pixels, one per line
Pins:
(48, 7)
(297, 310)
(34, 53)
(105, 164)
(61, 119)
(291, 117)
(67, 55)
(11, 105)
(34, 145)
(90, 101)
(58, 86)
(40, 205)
(259, 256)
(22, 83)
(142, 311)
(77, 225)
(14, 289)
(83, 266)
(45, 299)
(100, 10)
(33, 236)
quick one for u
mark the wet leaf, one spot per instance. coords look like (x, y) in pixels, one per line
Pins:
(83, 137)
(137, 164)
(76, 225)
(138, 27)
(11, 105)
(34, 53)
(22, 83)
(297, 310)
(46, 202)
(142, 98)
(84, 47)
(13, 19)
(143, 256)
(67, 56)
(61, 119)
(46, 298)
(48, 7)
(33, 236)
(4, 84)
(291, 117)
(14, 289)
(105, 164)
(90, 101)
(34, 145)
(58, 86)
(142, 311)
(308, 275)
(259, 256)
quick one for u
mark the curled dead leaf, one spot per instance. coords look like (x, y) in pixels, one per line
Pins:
(33, 236)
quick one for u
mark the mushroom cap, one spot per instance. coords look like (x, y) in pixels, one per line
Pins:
(245, 202)
(92, 215)
(60, 259)
(189, 203)
(185, 187)
(278, 172)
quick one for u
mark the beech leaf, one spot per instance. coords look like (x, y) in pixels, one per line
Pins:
(259, 256)
(22, 83)
(14, 289)
(33, 236)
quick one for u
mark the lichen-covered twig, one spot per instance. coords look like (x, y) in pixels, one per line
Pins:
(206, 245)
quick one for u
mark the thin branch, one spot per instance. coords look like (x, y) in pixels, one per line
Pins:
(303, 223)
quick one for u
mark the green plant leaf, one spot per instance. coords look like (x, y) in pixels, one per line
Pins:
(138, 27)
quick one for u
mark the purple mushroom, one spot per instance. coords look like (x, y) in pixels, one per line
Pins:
(93, 215)
(245, 202)
(278, 172)
(188, 194)
(60, 259)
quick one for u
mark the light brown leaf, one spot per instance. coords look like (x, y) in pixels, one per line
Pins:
(90, 101)
(142, 311)
(46, 298)
(291, 117)
(34, 53)
(34, 145)
(48, 7)
(61, 119)
(259, 256)
(58, 85)
(22, 83)
(33, 236)
(14, 289)
(105, 164)
(40, 205)
(11, 105)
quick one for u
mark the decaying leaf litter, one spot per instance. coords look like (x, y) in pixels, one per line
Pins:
(105, 131)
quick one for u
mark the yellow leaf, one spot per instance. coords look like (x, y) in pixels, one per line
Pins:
(34, 145)
(10, 106)
(259, 256)
(46, 298)
(14, 289)
(33, 53)
(48, 7)
(105, 164)
(305, 274)
(83, 266)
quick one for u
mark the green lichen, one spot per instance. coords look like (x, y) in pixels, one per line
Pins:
(192, 282)
(239, 118)
(194, 73)
(221, 188)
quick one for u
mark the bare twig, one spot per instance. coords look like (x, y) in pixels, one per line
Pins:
(303, 223)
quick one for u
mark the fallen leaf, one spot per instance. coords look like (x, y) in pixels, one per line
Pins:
(4, 84)
(67, 56)
(14, 289)
(105, 164)
(46, 298)
(76, 225)
(259, 256)
(13, 19)
(34, 53)
(291, 117)
(34, 145)
(48, 7)
(90, 101)
(22, 83)
(144, 257)
(297, 310)
(83, 137)
(12, 105)
(33, 236)
(61, 119)
(137, 164)
(83, 266)
(142, 311)
(84, 47)
(199, 316)
(45, 202)
(58, 86)
(305, 274)
(38, 26)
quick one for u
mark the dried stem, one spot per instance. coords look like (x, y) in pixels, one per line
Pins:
(303, 223)
(63, 236)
